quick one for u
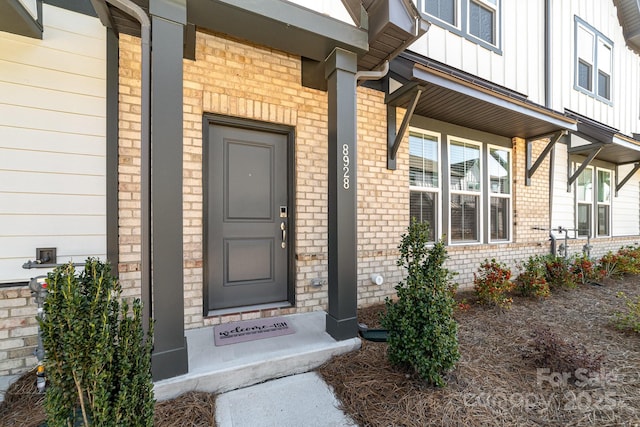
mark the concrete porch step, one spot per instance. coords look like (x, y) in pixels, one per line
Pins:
(220, 369)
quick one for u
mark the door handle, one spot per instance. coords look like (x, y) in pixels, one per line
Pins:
(283, 228)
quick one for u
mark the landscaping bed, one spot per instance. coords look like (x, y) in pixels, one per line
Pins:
(497, 380)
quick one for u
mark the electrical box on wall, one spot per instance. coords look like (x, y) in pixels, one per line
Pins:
(46, 255)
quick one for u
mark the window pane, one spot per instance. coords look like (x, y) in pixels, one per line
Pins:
(481, 22)
(500, 170)
(585, 45)
(499, 218)
(423, 206)
(604, 85)
(442, 9)
(584, 219)
(465, 166)
(603, 220)
(604, 57)
(464, 218)
(585, 186)
(423, 160)
(584, 75)
(604, 186)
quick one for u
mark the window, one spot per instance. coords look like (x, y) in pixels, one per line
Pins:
(476, 20)
(584, 196)
(424, 180)
(604, 202)
(585, 192)
(465, 172)
(475, 183)
(481, 20)
(442, 9)
(593, 61)
(500, 193)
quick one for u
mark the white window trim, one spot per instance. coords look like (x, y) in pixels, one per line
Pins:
(509, 196)
(595, 69)
(592, 203)
(480, 194)
(496, 24)
(438, 190)
(609, 203)
(460, 19)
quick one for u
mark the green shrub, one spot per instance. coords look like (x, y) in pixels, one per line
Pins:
(558, 273)
(492, 284)
(531, 281)
(422, 331)
(629, 260)
(98, 363)
(631, 318)
(608, 265)
(584, 270)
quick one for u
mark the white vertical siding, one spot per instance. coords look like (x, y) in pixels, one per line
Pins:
(625, 209)
(562, 214)
(52, 142)
(520, 64)
(622, 113)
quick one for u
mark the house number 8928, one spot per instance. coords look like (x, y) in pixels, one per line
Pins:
(345, 167)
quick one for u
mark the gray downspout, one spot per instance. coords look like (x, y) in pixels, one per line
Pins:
(547, 103)
(132, 9)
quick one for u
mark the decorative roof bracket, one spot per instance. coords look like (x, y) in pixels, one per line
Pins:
(531, 169)
(594, 152)
(394, 139)
(620, 184)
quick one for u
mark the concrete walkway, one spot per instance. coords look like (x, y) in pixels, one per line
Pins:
(264, 382)
(298, 400)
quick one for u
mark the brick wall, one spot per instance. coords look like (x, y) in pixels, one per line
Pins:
(240, 80)
(235, 79)
(18, 330)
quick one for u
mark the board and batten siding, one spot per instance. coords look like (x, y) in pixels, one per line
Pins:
(52, 143)
(625, 212)
(623, 111)
(563, 207)
(519, 64)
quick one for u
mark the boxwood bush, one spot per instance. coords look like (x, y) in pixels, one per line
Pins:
(422, 331)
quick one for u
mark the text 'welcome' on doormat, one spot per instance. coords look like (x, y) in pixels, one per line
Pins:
(248, 330)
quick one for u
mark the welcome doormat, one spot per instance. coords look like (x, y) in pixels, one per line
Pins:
(248, 330)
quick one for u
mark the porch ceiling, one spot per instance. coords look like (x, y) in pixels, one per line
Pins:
(455, 97)
(389, 26)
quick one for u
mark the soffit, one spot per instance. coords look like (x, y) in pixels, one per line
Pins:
(455, 97)
(616, 148)
(390, 27)
(629, 17)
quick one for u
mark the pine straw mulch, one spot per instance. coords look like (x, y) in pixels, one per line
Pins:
(23, 407)
(494, 382)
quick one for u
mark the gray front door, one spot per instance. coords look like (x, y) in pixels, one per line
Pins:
(247, 218)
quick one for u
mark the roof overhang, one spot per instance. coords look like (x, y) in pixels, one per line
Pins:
(16, 18)
(452, 96)
(278, 24)
(615, 147)
(382, 29)
(629, 17)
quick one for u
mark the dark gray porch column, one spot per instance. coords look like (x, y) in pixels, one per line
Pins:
(169, 357)
(340, 69)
